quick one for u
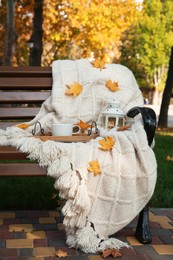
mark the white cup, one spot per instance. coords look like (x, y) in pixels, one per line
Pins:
(64, 129)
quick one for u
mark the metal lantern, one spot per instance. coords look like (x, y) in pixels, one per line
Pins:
(113, 116)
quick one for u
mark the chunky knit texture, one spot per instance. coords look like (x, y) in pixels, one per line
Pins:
(96, 206)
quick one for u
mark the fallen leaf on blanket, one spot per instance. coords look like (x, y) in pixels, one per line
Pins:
(74, 89)
(23, 126)
(61, 253)
(83, 126)
(112, 86)
(106, 143)
(98, 63)
(169, 158)
(94, 167)
(111, 252)
(124, 127)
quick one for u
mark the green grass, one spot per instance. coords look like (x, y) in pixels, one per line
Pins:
(36, 192)
(163, 195)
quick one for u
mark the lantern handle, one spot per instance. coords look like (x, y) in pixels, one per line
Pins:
(93, 125)
(41, 129)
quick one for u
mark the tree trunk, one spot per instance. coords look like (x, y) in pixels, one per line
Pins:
(36, 37)
(10, 35)
(163, 117)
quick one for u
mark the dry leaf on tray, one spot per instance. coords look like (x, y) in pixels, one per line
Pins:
(23, 126)
(124, 127)
(111, 252)
(98, 63)
(83, 125)
(74, 89)
(61, 253)
(94, 167)
(112, 86)
(106, 143)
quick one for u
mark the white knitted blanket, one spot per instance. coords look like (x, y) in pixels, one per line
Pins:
(97, 206)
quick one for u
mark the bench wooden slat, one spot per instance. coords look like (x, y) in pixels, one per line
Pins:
(24, 97)
(6, 71)
(4, 125)
(25, 83)
(11, 153)
(25, 169)
(13, 112)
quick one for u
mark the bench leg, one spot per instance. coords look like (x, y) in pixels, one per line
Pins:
(142, 233)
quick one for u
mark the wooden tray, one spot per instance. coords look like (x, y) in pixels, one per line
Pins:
(67, 139)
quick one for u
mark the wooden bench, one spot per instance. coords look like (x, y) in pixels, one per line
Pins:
(22, 91)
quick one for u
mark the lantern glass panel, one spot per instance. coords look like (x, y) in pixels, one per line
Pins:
(121, 121)
(111, 122)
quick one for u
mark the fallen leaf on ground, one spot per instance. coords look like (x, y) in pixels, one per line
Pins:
(112, 86)
(94, 167)
(61, 253)
(111, 252)
(169, 158)
(106, 143)
(74, 89)
(98, 63)
(124, 127)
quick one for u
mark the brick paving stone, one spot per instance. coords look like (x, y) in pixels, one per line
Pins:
(19, 243)
(8, 252)
(2, 243)
(55, 234)
(167, 240)
(150, 253)
(7, 215)
(5, 235)
(156, 241)
(37, 258)
(1, 221)
(8, 221)
(133, 241)
(60, 226)
(40, 242)
(164, 249)
(59, 242)
(166, 225)
(17, 235)
(27, 252)
(46, 220)
(44, 251)
(54, 214)
(45, 226)
(160, 232)
(20, 227)
(37, 213)
(154, 224)
(36, 235)
(30, 220)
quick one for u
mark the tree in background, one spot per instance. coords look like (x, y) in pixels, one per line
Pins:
(81, 28)
(146, 47)
(10, 35)
(167, 94)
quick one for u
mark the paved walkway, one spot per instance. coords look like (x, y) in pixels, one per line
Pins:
(37, 235)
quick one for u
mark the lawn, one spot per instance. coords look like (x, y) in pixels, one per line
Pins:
(36, 192)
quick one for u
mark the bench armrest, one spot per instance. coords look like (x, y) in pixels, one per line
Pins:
(149, 120)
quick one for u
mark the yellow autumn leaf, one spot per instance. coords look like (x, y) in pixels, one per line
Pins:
(83, 126)
(106, 143)
(94, 167)
(23, 126)
(124, 127)
(61, 253)
(112, 86)
(74, 89)
(98, 63)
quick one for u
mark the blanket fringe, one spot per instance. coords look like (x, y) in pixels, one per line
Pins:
(112, 243)
(82, 198)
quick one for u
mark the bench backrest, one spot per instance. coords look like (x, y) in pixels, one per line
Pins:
(22, 91)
